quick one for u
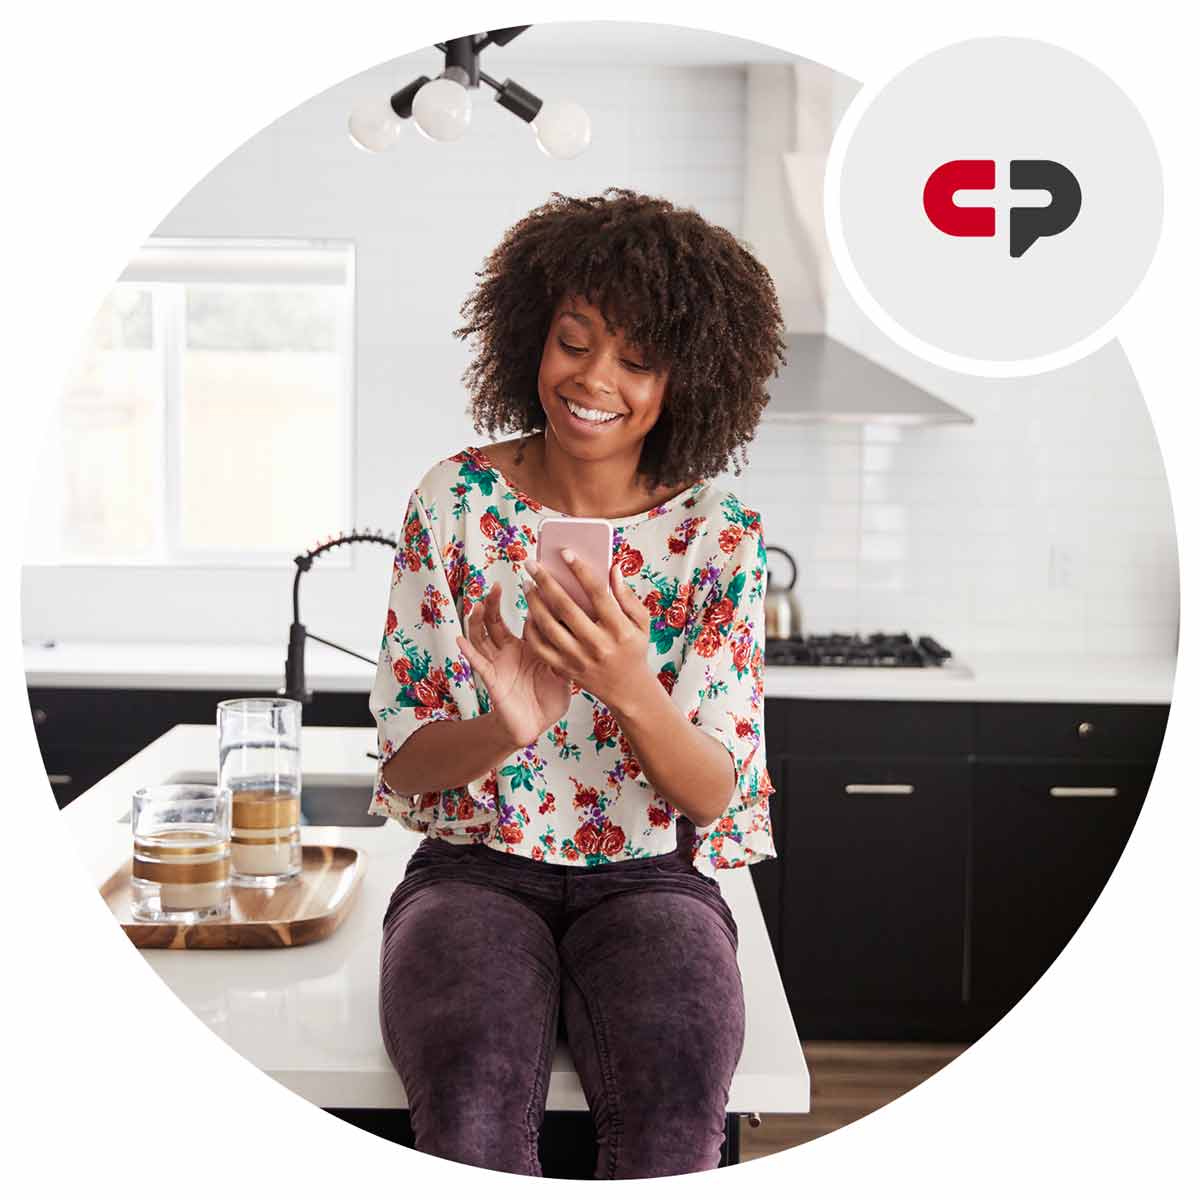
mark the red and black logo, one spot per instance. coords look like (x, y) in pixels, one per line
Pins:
(1025, 224)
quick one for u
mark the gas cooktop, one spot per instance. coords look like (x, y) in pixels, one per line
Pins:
(853, 650)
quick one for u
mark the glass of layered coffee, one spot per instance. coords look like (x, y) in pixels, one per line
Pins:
(259, 762)
(180, 869)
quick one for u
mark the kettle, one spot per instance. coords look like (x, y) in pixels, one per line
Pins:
(782, 607)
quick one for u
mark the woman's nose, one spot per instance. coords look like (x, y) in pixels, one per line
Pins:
(597, 375)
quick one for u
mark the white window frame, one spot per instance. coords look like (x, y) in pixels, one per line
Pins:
(166, 267)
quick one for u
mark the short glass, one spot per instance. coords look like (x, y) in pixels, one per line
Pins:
(259, 762)
(180, 868)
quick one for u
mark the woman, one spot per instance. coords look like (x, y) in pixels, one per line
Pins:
(579, 781)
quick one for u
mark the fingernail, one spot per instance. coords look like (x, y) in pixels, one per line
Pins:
(568, 555)
(531, 568)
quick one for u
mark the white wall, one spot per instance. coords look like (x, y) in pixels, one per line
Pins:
(1046, 525)
(423, 219)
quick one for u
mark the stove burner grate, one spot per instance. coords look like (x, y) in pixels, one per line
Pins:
(853, 650)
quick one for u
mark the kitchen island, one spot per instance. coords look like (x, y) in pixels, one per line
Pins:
(308, 1015)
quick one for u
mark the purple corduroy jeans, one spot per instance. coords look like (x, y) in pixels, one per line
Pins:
(487, 957)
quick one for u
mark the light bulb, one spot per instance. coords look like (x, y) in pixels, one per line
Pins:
(374, 125)
(442, 110)
(563, 129)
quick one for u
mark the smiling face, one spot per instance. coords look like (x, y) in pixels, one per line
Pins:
(588, 366)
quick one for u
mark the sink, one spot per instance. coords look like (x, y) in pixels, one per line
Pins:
(323, 801)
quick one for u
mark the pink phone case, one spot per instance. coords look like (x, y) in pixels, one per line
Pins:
(590, 538)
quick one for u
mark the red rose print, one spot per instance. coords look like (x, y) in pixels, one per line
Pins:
(475, 587)
(466, 808)
(720, 613)
(411, 561)
(426, 693)
(587, 838)
(604, 726)
(570, 853)
(585, 797)
(652, 602)
(611, 840)
(517, 552)
(490, 525)
(667, 679)
(743, 728)
(511, 833)
(400, 669)
(537, 854)
(730, 536)
(456, 575)
(708, 642)
(422, 713)
(677, 615)
(676, 545)
(658, 817)
(741, 655)
(725, 824)
(685, 593)
(630, 560)
(391, 624)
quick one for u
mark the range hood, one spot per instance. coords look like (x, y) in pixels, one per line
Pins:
(791, 113)
(824, 380)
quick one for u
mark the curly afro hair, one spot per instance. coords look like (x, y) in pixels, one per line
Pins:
(687, 294)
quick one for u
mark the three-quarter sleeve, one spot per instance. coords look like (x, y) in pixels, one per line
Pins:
(720, 686)
(422, 677)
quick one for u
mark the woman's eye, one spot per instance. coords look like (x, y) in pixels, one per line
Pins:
(571, 349)
(636, 366)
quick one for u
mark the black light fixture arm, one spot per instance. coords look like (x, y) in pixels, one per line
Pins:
(462, 64)
(293, 668)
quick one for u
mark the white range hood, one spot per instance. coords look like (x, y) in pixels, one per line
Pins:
(824, 380)
(790, 118)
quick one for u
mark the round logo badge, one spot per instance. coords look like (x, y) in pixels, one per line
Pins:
(999, 201)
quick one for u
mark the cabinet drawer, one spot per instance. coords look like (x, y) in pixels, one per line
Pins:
(1083, 732)
(852, 729)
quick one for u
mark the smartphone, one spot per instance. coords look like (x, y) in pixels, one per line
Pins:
(590, 538)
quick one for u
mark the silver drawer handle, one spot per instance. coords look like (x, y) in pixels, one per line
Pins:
(1083, 791)
(879, 789)
(59, 779)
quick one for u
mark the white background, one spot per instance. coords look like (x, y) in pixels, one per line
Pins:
(111, 114)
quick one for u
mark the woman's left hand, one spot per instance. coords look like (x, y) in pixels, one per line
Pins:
(606, 656)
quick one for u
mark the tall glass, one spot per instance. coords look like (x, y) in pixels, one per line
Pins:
(259, 749)
(180, 868)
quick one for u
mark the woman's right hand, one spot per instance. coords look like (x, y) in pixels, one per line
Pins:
(527, 695)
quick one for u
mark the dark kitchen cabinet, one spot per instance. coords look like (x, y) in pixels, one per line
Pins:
(927, 913)
(84, 734)
(1056, 791)
(1045, 839)
(873, 897)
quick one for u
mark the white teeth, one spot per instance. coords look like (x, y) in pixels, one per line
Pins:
(591, 414)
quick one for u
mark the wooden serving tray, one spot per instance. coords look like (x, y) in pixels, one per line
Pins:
(304, 910)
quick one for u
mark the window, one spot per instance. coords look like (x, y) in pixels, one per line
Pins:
(207, 418)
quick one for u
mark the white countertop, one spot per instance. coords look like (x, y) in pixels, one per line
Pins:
(259, 668)
(309, 1015)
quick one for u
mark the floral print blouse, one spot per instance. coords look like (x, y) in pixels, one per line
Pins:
(577, 795)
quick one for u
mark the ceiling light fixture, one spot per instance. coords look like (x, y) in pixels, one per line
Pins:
(441, 108)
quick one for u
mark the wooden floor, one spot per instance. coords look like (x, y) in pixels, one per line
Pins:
(849, 1080)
